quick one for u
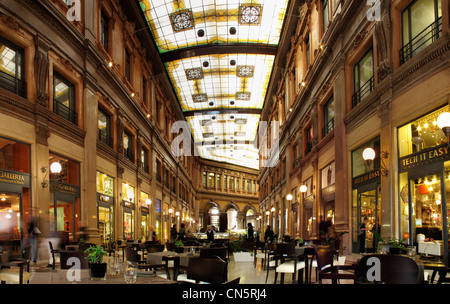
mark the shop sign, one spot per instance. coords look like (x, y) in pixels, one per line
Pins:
(366, 178)
(424, 157)
(63, 188)
(128, 204)
(16, 178)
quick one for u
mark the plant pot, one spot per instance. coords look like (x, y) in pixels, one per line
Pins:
(97, 271)
(243, 256)
(394, 250)
(179, 249)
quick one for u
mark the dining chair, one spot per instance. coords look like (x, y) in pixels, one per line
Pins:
(290, 262)
(17, 269)
(259, 253)
(54, 252)
(220, 252)
(270, 263)
(65, 255)
(209, 270)
(392, 268)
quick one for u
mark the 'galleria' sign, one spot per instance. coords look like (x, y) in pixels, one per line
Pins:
(16, 178)
(424, 157)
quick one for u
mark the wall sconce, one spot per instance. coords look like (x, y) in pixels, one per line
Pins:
(148, 202)
(177, 214)
(443, 122)
(273, 209)
(267, 212)
(289, 197)
(303, 189)
(170, 211)
(55, 168)
(369, 156)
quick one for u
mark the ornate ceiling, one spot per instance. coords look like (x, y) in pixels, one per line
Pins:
(219, 56)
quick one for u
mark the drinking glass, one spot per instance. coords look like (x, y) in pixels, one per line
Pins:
(130, 273)
(411, 251)
(115, 265)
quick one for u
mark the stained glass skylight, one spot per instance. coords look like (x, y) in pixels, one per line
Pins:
(219, 56)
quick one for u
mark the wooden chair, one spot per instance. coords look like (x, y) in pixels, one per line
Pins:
(394, 269)
(220, 252)
(259, 253)
(290, 262)
(133, 257)
(170, 246)
(269, 259)
(210, 270)
(234, 281)
(17, 270)
(326, 268)
(54, 252)
(65, 263)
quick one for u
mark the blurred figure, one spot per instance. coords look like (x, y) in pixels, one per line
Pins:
(153, 236)
(182, 233)
(33, 233)
(173, 233)
(268, 235)
(250, 236)
(210, 233)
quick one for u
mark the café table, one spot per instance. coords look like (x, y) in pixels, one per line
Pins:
(180, 260)
(434, 264)
(68, 277)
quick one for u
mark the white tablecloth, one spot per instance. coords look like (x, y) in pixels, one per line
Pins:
(156, 257)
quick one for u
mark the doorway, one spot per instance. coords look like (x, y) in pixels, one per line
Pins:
(366, 209)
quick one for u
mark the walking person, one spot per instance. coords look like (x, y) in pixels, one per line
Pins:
(362, 235)
(33, 235)
(250, 236)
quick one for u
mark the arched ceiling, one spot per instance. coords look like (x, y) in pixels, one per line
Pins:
(219, 56)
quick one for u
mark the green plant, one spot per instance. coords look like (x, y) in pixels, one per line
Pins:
(179, 244)
(394, 243)
(236, 246)
(332, 239)
(95, 254)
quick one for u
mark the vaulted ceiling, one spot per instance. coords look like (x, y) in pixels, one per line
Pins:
(219, 56)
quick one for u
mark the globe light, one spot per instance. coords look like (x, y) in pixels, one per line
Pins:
(443, 120)
(303, 188)
(289, 197)
(55, 167)
(368, 154)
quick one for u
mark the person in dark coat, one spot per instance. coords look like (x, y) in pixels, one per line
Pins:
(210, 233)
(268, 235)
(250, 236)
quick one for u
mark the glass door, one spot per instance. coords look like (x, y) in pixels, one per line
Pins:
(427, 216)
(366, 218)
(64, 221)
(105, 227)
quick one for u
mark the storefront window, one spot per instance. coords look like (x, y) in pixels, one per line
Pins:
(128, 195)
(145, 204)
(105, 184)
(421, 134)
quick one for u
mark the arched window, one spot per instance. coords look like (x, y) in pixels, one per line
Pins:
(232, 219)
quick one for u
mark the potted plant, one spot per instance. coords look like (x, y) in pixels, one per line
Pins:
(396, 246)
(240, 252)
(97, 268)
(179, 247)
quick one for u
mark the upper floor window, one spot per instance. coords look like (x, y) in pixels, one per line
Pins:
(104, 31)
(421, 25)
(64, 98)
(128, 146)
(326, 14)
(225, 182)
(295, 156)
(127, 65)
(364, 80)
(328, 117)
(158, 170)
(12, 68)
(104, 127)
(204, 179)
(144, 159)
(308, 139)
(308, 52)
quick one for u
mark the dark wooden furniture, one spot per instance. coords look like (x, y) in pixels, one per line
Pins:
(209, 270)
(326, 270)
(54, 252)
(289, 260)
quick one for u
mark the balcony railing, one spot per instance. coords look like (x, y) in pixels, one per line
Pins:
(364, 90)
(105, 137)
(328, 128)
(13, 84)
(65, 112)
(422, 40)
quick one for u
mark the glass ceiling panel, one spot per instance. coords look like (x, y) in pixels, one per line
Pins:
(239, 154)
(181, 24)
(221, 81)
(223, 127)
